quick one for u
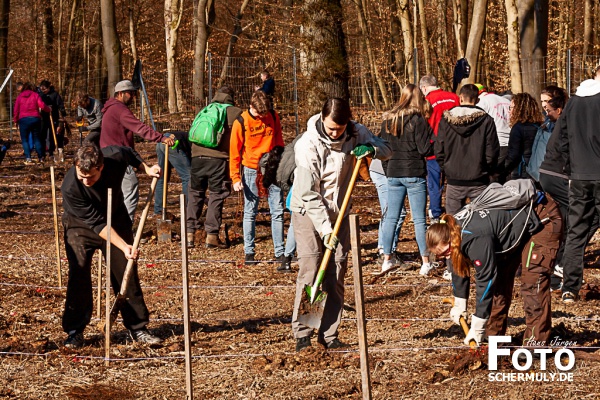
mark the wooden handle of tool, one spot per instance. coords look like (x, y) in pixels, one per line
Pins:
(53, 131)
(138, 237)
(338, 223)
(165, 170)
(56, 234)
(463, 322)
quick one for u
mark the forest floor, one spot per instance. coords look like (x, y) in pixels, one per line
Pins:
(241, 339)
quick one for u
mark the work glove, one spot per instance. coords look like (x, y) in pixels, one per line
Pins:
(331, 241)
(459, 310)
(477, 331)
(363, 150)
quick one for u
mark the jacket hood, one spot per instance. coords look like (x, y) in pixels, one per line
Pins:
(111, 103)
(588, 88)
(464, 120)
(315, 125)
(222, 98)
(27, 93)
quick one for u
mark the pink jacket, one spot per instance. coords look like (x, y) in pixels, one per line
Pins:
(28, 104)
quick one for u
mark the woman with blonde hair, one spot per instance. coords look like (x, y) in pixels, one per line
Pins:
(494, 242)
(405, 127)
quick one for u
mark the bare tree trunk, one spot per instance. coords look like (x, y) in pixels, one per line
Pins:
(588, 23)
(395, 37)
(48, 31)
(112, 44)
(323, 57)
(533, 30)
(512, 20)
(404, 16)
(132, 30)
(424, 36)
(475, 35)
(4, 19)
(461, 14)
(237, 31)
(69, 40)
(364, 82)
(205, 14)
(35, 41)
(172, 12)
(59, 52)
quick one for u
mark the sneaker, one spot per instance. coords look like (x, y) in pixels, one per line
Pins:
(286, 263)
(74, 340)
(447, 275)
(569, 297)
(556, 288)
(558, 271)
(335, 344)
(144, 336)
(388, 265)
(426, 268)
(302, 343)
(190, 240)
(434, 221)
(249, 259)
(29, 161)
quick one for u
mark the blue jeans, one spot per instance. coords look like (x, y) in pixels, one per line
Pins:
(435, 185)
(416, 190)
(251, 200)
(290, 243)
(182, 164)
(381, 184)
(29, 128)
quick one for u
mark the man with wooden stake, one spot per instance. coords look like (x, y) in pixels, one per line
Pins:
(84, 193)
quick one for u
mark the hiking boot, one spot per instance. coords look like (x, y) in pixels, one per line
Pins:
(249, 259)
(302, 343)
(334, 344)
(74, 340)
(144, 336)
(286, 263)
(213, 242)
(569, 297)
(190, 240)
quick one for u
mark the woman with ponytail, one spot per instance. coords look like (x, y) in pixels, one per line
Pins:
(494, 242)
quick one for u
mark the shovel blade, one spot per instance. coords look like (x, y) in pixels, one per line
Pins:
(164, 230)
(311, 313)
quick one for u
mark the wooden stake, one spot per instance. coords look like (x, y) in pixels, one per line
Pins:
(99, 299)
(360, 308)
(107, 296)
(56, 239)
(53, 133)
(186, 303)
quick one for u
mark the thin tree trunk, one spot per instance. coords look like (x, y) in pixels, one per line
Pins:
(237, 31)
(475, 35)
(424, 36)
(132, 30)
(404, 16)
(461, 15)
(48, 31)
(588, 23)
(205, 14)
(112, 44)
(59, 45)
(35, 41)
(395, 37)
(69, 40)
(362, 22)
(364, 82)
(99, 63)
(172, 13)
(512, 20)
(323, 57)
(4, 19)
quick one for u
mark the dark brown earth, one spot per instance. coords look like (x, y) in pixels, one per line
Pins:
(241, 337)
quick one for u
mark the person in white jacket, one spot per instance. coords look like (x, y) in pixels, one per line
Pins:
(324, 165)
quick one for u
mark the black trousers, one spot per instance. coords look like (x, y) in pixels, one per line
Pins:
(80, 244)
(210, 174)
(584, 206)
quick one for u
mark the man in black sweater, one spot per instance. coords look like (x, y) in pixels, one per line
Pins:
(85, 199)
(580, 147)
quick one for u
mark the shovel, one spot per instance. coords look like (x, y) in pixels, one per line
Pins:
(164, 224)
(114, 311)
(463, 323)
(313, 299)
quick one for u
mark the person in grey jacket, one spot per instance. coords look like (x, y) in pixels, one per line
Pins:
(323, 170)
(90, 109)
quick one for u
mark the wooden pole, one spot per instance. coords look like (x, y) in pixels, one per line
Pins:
(99, 299)
(55, 212)
(186, 303)
(107, 296)
(360, 307)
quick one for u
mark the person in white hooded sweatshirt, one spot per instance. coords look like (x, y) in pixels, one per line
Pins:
(580, 147)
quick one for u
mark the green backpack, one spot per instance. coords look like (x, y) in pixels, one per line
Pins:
(207, 128)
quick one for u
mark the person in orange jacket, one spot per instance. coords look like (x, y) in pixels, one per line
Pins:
(254, 134)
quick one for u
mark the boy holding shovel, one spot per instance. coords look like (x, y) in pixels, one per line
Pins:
(324, 168)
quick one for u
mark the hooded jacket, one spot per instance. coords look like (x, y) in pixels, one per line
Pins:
(497, 107)
(53, 99)
(324, 168)
(28, 104)
(410, 144)
(467, 147)
(579, 139)
(119, 124)
(93, 113)
(222, 150)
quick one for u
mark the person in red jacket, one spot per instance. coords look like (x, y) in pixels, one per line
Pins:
(27, 118)
(118, 127)
(440, 101)
(255, 133)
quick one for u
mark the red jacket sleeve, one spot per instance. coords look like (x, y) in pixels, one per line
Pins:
(43, 106)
